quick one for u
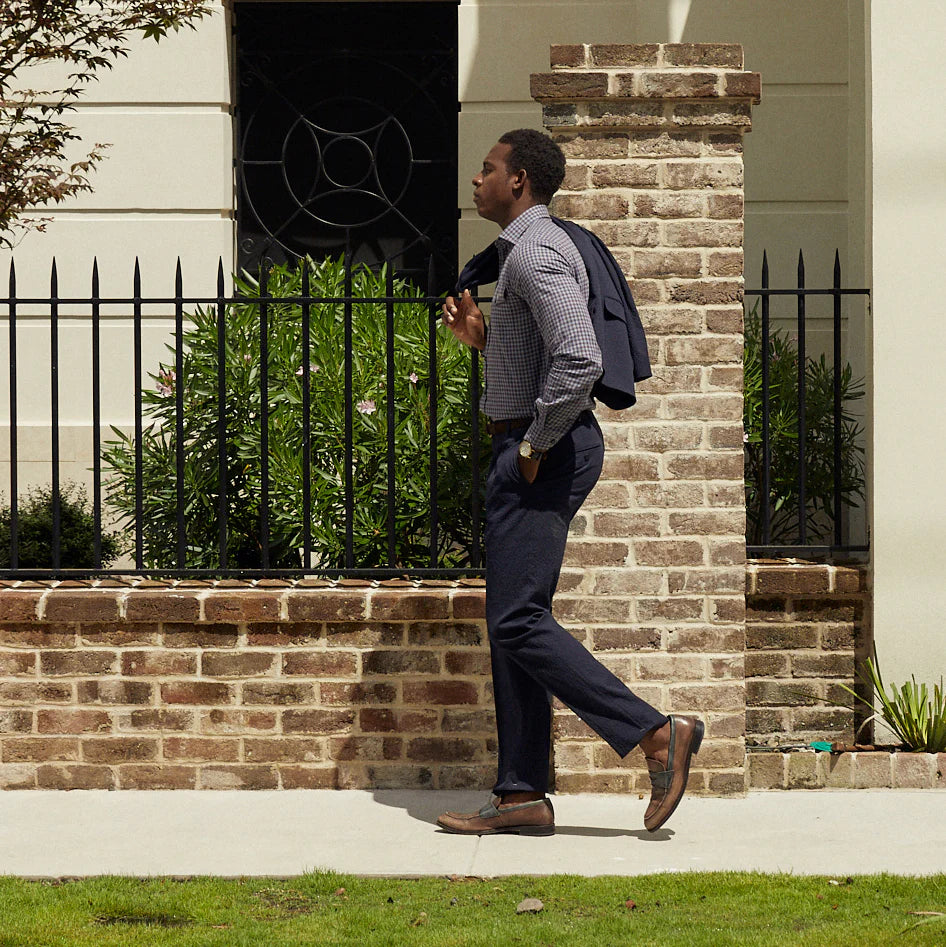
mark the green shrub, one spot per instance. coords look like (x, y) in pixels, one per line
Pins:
(783, 439)
(35, 531)
(327, 432)
(909, 711)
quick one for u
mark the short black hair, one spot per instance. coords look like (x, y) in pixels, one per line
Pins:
(541, 159)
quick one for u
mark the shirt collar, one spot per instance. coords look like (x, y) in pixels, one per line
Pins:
(514, 232)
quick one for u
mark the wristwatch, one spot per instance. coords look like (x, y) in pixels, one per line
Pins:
(529, 452)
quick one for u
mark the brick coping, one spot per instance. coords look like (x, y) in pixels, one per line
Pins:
(817, 769)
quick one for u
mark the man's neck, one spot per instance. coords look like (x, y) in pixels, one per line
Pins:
(519, 208)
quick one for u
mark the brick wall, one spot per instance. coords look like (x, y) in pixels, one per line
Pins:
(214, 688)
(655, 572)
(806, 626)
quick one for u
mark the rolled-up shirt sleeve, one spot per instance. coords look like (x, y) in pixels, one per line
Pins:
(542, 277)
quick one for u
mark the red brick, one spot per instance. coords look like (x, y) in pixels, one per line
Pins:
(365, 748)
(705, 580)
(380, 634)
(241, 605)
(668, 552)
(164, 663)
(466, 662)
(39, 749)
(725, 206)
(441, 692)
(624, 54)
(703, 522)
(308, 777)
(442, 750)
(238, 721)
(706, 292)
(157, 776)
(792, 580)
(119, 634)
(327, 605)
(728, 113)
(629, 638)
(718, 466)
(42, 692)
(178, 635)
(469, 721)
(18, 605)
(196, 692)
(238, 664)
(593, 610)
(154, 718)
(16, 721)
(278, 692)
(357, 693)
(78, 662)
(119, 750)
(321, 663)
(163, 605)
(676, 607)
(667, 205)
(465, 634)
(284, 750)
(670, 85)
(84, 605)
(626, 524)
(744, 85)
(566, 55)
(590, 206)
(568, 85)
(47, 635)
(73, 721)
(201, 749)
(708, 696)
(594, 782)
(17, 776)
(410, 604)
(78, 776)
(284, 634)
(593, 145)
(709, 638)
(703, 54)
(317, 721)
(466, 777)
(595, 553)
(17, 662)
(625, 174)
(377, 720)
(238, 776)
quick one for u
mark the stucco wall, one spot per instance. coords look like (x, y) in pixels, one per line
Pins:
(908, 335)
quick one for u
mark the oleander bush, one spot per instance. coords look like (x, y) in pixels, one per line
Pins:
(412, 390)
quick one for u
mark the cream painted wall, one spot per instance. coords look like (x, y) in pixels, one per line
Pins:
(908, 337)
(165, 189)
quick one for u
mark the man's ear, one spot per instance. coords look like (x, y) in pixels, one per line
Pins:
(520, 180)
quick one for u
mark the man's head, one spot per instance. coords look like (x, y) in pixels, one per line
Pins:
(522, 169)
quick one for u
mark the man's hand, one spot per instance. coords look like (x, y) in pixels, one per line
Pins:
(463, 318)
(528, 467)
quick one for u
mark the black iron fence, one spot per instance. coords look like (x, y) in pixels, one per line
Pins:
(394, 309)
(189, 488)
(804, 443)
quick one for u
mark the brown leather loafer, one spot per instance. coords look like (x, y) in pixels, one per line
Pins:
(668, 785)
(525, 818)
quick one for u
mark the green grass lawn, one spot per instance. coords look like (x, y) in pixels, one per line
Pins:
(326, 908)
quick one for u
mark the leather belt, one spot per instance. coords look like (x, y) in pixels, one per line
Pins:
(504, 427)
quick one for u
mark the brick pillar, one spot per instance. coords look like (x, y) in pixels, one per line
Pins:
(655, 571)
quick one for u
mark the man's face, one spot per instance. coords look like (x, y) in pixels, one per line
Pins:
(495, 187)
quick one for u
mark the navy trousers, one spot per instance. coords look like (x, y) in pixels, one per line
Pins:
(533, 657)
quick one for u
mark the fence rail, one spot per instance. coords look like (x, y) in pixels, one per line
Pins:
(306, 302)
(803, 547)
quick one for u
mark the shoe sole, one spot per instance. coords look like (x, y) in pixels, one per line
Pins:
(539, 830)
(695, 743)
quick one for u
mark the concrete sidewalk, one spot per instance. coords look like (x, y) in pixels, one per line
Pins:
(392, 833)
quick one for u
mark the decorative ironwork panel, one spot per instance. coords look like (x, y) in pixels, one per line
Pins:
(347, 132)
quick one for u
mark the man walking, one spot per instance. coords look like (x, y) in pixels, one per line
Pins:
(541, 361)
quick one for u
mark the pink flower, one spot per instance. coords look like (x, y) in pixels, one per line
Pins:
(366, 407)
(413, 378)
(745, 438)
(166, 378)
(312, 368)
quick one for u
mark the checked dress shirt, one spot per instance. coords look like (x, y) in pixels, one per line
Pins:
(542, 357)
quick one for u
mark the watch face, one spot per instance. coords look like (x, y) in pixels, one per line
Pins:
(525, 449)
